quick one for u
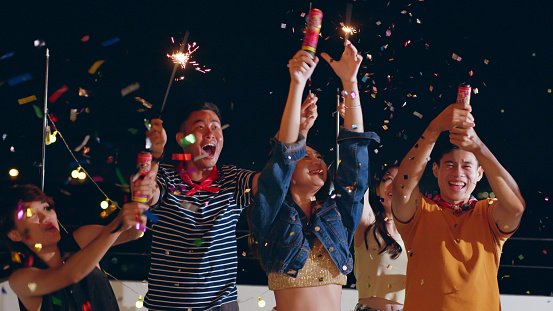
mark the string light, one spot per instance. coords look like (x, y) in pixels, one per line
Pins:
(139, 304)
(13, 172)
(104, 204)
(261, 303)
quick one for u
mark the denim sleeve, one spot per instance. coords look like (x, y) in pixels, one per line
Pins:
(352, 180)
(273, 184)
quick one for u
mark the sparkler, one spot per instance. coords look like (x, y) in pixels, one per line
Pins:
(182, 59)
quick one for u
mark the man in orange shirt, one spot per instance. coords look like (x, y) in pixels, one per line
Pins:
(454, 241)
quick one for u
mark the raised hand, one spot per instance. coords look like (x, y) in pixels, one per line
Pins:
(130, 215)
(455, 115)
(308, 113)
(465, 138)
(145, 185)
(302, 66)
(348, 65)
(157, 136)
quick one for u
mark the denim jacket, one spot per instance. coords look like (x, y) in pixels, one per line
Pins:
(282, 229)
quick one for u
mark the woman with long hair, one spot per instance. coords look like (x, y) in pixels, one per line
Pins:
(380, 257)
(55, 271)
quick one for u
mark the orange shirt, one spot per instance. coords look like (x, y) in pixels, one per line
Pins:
(453, 259)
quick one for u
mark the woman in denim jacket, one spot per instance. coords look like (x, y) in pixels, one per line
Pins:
(304, 235)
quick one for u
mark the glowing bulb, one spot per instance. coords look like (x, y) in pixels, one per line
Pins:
(75, 174)
(139, 304)
(82, 175)
(13, 172)
(261, 303)
(52, 138)
(104, 204)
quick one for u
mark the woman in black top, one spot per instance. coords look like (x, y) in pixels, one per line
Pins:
(51, 276)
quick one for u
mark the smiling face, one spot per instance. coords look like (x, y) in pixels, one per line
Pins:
(457, 175)
(384, 189)
(35, 223)
(206, 127)
(311, 170)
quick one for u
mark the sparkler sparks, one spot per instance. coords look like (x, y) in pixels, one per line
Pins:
(184, 58)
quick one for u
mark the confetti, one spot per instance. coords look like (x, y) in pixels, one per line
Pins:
(38, 247)
(187, 140)
(32, 287)
(92, 70)
(83, 92)
(25, 100)
(129, 89)
(198, 242)
(19, 79)
(418, 114)
(83, 143)
(143, 102)
(7, 55)
(151, 216)
(201, 156)
(58, 93)
(110, 42)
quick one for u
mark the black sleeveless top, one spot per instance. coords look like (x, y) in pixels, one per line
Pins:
(93, 293)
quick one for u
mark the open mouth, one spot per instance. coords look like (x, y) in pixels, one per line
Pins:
(457, 185)
(209, 149)
(319, 171)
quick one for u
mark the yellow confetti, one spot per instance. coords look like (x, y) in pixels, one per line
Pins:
(25, 100)
(38, 247)
(32, 286)
(95, 66)
(29, 212)
(389, 267)
(422, 281)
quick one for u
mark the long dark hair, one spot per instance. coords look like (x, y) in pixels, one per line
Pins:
(390, 246)
(12, 198)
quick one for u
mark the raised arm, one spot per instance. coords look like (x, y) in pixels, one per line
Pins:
(148, 185)
(508, 210)
(405, 191)
(34, 282)
(346, 69)
(301, 67)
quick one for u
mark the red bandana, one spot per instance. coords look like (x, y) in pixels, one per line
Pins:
(204, 185)
(457, 208)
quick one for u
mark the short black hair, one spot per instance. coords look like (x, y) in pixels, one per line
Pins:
(442, 147)
(198, 106)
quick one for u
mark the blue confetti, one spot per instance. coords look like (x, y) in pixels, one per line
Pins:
(7, 55)
(151, 216)
(110, 42)
(22, 78)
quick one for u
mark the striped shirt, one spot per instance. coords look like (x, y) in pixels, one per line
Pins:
(194, 260)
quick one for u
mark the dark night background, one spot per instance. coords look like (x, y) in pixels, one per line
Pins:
(505, 49)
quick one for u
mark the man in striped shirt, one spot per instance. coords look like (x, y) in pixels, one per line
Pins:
(194, 260)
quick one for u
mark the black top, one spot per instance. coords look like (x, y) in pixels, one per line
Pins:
(93, 293)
